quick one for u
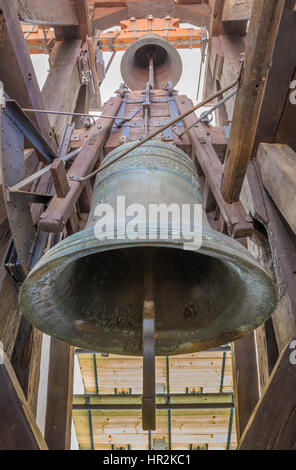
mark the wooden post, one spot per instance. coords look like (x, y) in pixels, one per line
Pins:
(238, 222)
(264, 23)
(277, 113)
(59, 178)
(272, 425)
(61, 89)
(17, 71)
(18, 428)
(26, 361)
(59, 396)
(277, 166)
(245, 380)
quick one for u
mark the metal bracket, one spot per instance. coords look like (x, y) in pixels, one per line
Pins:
(2, 97)
(174, 112)
(13, 266)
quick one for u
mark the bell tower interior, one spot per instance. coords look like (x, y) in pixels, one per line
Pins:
(147, 286)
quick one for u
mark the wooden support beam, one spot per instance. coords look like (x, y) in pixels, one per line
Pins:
(108, 14)
(107, 17)
(252, 197)
(59, 396)
(277, 114)
(50, 13)
(62, 85)
(26, 361)
(223, 67)
(237, 10)
(280, 258)
(220, 8)
(272, 425)
(59, 178)
(286, 130)
(17, 71)
(238, 222)
(18, 428)
(83, 27)
(245, 380)
(84, 201)
(266, 344)
(282, 241)
(143, 8)
(277, 166)
(82, 106)
(264, 23)
(196, 14)
(58, 211)
(10, 315)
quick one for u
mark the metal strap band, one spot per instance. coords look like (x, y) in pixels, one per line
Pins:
(133, 20)
(166, 27)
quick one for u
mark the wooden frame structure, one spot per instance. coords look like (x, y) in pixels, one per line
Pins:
(248, 188)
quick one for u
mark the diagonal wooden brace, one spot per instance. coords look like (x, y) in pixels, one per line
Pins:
(60, 209)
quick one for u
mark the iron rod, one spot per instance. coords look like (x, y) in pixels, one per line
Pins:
(159, 406)
(206, 113)
(66, 113)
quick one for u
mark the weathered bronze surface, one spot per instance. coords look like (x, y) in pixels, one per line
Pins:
(135, 63)
(90, 293)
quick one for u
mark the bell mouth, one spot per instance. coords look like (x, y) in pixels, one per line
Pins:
(90, 294)
(135, 62)
(142, 55)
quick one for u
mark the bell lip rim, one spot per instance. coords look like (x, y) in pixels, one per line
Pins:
(78, 250)
(250, 263)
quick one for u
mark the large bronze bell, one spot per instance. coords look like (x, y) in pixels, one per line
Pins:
(167, 63)
(90, 292)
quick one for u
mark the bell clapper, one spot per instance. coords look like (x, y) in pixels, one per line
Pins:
(151, 71)
(148, 399)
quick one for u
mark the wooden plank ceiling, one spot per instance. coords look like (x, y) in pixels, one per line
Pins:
(200, 372)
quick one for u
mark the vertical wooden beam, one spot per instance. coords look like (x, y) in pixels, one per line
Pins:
(278, 257)
(237, 10)
(51, 13)
(59, 177)
(84, 27)
(26, 361)
(59, 396)
(286, 130)
(18, 428)
(219, 25)
(264, 23)
(282, 241)
(17, 71)
(272, 125)
(277, 167)
(245, 380)
(10, 315)
(82, 106)
(272, 425)
(62, 85)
